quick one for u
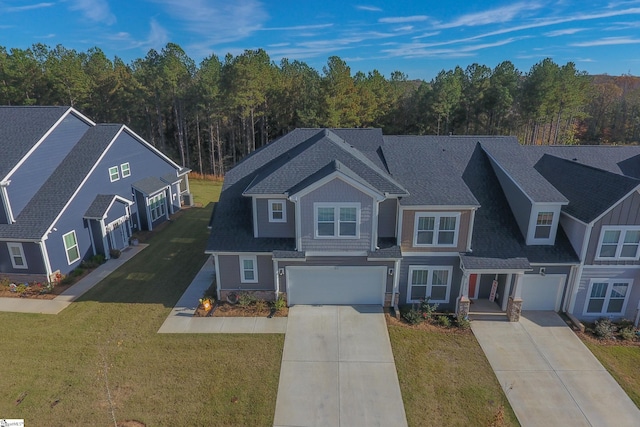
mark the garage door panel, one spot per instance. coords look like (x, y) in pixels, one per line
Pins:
(337, 285)
(542, 292)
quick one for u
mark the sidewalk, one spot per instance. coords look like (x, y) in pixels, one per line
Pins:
(62, 301)
(181, 320)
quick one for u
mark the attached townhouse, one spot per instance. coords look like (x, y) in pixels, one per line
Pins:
(350, 216)
(71, 189)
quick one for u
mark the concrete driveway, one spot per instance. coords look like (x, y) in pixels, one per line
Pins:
(549, 375)
(338, 369)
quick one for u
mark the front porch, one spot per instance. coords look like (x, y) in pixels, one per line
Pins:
(483, 309)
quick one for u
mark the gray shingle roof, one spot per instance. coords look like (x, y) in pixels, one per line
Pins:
(39, 214)
(99, 206)
(149, 185)
(22, 128)
(590, 191)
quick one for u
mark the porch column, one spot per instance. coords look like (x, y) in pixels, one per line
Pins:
(462, 307)
(507, 292)
(514, 306)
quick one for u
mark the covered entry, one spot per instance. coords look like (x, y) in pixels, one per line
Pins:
(336, 285)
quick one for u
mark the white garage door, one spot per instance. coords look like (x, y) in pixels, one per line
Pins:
(336, 285)
(542, 292)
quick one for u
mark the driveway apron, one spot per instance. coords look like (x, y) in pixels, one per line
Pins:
(338, 369)
(549, 376)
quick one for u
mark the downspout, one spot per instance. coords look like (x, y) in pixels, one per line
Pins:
(471, 224)
(276, 278)
(45, 257)
(396, 287)
(217, 269)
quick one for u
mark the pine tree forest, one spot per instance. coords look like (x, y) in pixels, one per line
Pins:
(208, 116)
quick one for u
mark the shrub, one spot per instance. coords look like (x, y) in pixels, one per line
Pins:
(260, 305)
(463, 322)
(413, 316)
(427, 309)
(628, 333)
(21, 288)
(444, 320)
(604, 329)
(115, 253)
(4, 282)
(78, 271)
(279, 303)
(245, 299)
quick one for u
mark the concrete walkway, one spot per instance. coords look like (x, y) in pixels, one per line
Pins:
(181, 320)
(549, 376)
(62, 301)
(338, 369)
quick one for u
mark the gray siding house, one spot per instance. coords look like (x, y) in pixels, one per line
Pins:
(350, 216)
(71, 189)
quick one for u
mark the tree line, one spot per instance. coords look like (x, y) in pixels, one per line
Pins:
(208, 116)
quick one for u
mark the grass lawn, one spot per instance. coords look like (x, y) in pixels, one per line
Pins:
(101, 358)
(446, 380)
(622, 362)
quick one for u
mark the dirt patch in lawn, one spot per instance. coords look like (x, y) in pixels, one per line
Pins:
(224, 309)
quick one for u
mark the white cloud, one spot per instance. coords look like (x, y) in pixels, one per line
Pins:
(298, 27)
(403, 19)
(156, 39)
(421, 50)
(564, 32)
(369, 8)
(492, 16)
(608, 41)
(27, 7)
(94, 10)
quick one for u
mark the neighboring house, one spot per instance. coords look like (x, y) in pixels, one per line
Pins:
(349, 216)
(71, 189)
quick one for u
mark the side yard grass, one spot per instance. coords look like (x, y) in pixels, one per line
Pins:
(102, 361)
(446, 380)
(622, 362)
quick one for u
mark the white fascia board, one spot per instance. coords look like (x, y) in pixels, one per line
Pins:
(339, 175)
(119, 198)
(238, 253)
(573, 218)
(429, 254)
(336, 253)
(266, 196)
(496, 271)
(435, 208)
(11, 239)
(149, 146)
(553, 264)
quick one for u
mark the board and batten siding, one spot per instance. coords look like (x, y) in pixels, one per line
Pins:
(275, 229)
(614, 272)
(39, 166)
(456, 277)
(519, 203)
(408, 224)
(625, 213)
(229, 269)
(338, 262)
(336, 191)
(387, 217)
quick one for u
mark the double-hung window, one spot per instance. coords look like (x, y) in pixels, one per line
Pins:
(277, 211)
(157, 206)
(436, 229)
(16, 253)
(125, 169)
(248, 269)
(429, 282)
(543, 225)
(114, 173)
(619, 243)
(607, 296)
(340, 220)
(71, 247)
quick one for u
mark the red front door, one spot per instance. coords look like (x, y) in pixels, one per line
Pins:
(473, 278)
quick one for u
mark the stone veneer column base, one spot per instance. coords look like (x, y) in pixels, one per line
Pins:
(463, 308)
(514, 308)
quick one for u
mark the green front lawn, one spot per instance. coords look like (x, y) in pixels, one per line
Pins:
(102, 359)
(623, 363)
(446, 380)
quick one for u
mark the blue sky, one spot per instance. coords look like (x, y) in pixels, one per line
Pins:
(416, 37)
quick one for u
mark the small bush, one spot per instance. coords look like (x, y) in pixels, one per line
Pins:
(444, 321)
(66, 280)
(463, 322)
(280, 303)
(246, 299)
(4, 282)
(260, 305)
(604, 329)
(115, 253)
(428, 309)
(21, 288)
(413, 316)
(76, 272)
(628, 333)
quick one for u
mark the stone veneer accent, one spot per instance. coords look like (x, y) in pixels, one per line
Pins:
(463, 308)
(389, 301)
(514, 308)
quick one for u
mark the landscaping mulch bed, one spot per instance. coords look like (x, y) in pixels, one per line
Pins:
(224, 309)
(425, 326)
(590, 337)
(33, 292)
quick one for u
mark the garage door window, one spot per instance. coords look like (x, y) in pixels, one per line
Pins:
(607, 296)
(337, 220)
(429, 282)
(248, 269)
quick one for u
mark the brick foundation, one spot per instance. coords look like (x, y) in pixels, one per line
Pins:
(514, 308)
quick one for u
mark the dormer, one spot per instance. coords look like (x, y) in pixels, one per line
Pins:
(535, 203)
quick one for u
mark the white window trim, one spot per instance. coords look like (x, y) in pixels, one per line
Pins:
(623, 229)
(284, 210)
(162, 197)
(111, 175)
(66, 250)
(13, 261)
(607, 297)
(254, 259)
(533, 224)
(430, 269)
(436, 226)
(536, 225)
(128, 169)
(336, 215)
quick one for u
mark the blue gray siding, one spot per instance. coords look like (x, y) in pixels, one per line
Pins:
(625, 213)
(574, 231)
(434, 260)
(4, 218)
(614, 272)
(98, 241)
(340, 192)
(387, 218)
(275, 229)
(140, 200)
(32, 254)
(117, 210)
(518, 202)
(39, 166)
(229, 269)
